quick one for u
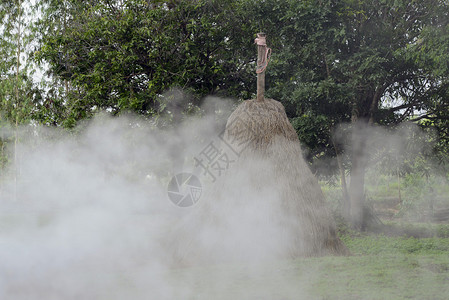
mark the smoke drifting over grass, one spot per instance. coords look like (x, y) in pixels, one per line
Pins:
(403, 171)
(88, 215)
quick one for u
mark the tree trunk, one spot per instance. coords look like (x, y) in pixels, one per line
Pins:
(358, 169)
(344, 187)
(357, 214)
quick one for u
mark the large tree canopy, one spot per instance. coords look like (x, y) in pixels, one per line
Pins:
(362, 62)
(349, 59)
(122, 55)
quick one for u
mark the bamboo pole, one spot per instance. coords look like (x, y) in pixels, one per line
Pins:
(262, 62)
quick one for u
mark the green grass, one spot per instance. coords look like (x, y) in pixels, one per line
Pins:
(380, 268)
(421, 230)
(398, 260)
(383, 245)
(398, 276)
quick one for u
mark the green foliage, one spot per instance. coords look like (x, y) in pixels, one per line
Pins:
(348, 60)
(332, 60)
(18, 94)
(443, 231)
(124, 57)
(423, 195)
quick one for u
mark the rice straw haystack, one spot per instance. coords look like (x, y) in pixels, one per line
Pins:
(267, 205)
(261, 129)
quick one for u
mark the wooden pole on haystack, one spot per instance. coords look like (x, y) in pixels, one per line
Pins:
(270, 173)
(263, 56)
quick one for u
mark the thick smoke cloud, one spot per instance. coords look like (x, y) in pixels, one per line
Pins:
(87, 216)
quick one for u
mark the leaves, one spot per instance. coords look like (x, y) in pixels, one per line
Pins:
(331, 59)
(123, 57)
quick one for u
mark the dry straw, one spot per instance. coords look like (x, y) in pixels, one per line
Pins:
(262, 129)
(268, 204)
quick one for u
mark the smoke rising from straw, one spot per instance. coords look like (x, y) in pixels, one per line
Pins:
(92, 219)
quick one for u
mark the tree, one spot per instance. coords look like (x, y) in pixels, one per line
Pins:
(351, 58)
(17, 91)
(123, 55)
(362, 62)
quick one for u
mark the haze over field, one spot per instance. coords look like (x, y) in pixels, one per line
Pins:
(89, 216)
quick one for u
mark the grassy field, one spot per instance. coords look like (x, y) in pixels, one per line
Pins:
(380, 267)
(402, 258)
(405, 257)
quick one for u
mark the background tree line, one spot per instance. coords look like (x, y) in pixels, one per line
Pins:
(363, 63)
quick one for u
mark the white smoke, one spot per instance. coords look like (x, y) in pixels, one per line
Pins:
(87, 215)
